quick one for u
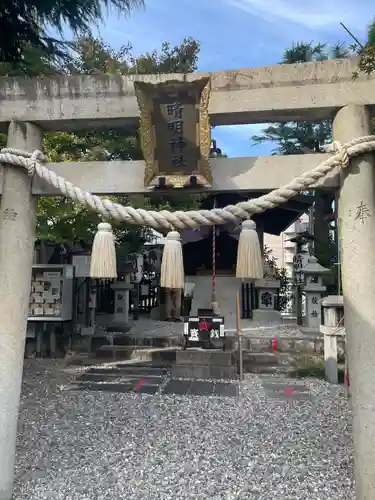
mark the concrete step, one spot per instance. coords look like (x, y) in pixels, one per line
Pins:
(191, 371)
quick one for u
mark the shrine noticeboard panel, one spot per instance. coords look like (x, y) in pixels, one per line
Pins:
(208, 331)
(175, 131)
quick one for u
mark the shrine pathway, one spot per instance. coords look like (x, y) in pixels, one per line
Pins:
(141, 378)
(144, 436)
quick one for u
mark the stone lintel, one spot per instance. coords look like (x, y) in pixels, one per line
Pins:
(310, 91)
(259, 173)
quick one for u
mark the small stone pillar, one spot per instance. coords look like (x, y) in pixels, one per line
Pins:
(313, 288)
(121, 312)
(332, 329)
(299, 262)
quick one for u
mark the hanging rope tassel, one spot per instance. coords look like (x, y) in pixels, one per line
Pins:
(249, 256)
(172, 264)
(103, 256)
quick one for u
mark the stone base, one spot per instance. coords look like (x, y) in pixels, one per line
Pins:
(205, 364)
(263, 317)
(310, 331)
(288, 319)
(119, 327)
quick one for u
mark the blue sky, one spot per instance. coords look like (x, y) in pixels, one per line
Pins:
(238, 34)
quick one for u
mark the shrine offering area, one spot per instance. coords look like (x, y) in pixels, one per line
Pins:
(85, 445)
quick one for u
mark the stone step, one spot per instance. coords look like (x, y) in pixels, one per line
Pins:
(123, 353)
(266, 363)
(260, 358)
(291, 344)
(267, 369)
(204, 357)
(266, 358)
(191, 371)
(129, 370)
(302, 345)
(131, 341)
(129, 378)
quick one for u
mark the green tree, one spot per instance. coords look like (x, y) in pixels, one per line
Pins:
(365, 51)
(25, 23)
(302, 52)
(61, 221)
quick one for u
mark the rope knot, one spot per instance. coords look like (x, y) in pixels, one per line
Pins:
(36, 157)
(21, 158)
(342, 153)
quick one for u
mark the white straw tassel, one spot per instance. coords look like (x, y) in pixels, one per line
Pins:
(249, 256)
(103, 255)
(172, 264)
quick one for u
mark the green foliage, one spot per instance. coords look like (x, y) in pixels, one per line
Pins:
(294, 138)
(285, 294)
(315, 370)
(35, 63)
(61, 221)
(100, 145)
(171, 59)
(366, 51)
(93, 56)
(25, 24)
(302, 52)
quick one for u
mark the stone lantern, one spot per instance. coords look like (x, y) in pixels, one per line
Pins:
(120, 319)
(313, 287)
(267, 297)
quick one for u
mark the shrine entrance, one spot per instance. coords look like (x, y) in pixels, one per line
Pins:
(201, 261)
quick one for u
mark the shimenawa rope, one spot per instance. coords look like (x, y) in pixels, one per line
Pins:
(191, 218)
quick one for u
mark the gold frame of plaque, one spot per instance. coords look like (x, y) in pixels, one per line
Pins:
(194, 132)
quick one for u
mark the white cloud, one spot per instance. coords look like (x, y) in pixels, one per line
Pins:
(321, 14)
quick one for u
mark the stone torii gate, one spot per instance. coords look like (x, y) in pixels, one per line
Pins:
(312, 91)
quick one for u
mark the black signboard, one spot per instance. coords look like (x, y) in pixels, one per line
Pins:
(204, 331)
(175, 131)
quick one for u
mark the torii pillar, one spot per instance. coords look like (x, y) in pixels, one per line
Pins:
(17, 238)
(356, 211)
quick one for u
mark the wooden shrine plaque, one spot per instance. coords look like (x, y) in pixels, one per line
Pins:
(175, 131)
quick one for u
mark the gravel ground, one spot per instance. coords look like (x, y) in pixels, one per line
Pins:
(92, 446)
